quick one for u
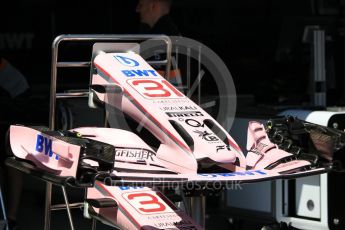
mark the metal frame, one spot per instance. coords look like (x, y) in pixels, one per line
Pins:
(316, 37)
(5, 221)
(319, 67)
(282, 205)
(282, 200)
(54, 95)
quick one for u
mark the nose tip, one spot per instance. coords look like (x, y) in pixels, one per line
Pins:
(223, 156)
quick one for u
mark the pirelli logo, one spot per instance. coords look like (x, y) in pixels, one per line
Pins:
(185, 114)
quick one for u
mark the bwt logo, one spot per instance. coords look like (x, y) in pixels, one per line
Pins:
(126, 61)
(139, 73)
(130, 187)
(16, 41)
(45, 144)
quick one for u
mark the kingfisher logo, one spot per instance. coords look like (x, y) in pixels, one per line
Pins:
(44, 144)
(126, 61)
(135, 153)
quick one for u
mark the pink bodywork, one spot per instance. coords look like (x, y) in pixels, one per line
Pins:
(126, 141)
(155, 103)
(64, 160)
(140, 208)
(262, 152)
(187, 141)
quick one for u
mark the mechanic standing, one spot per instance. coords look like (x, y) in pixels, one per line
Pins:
(14, 91)
(155, 18)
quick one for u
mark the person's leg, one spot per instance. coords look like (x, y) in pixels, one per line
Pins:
(13, 183)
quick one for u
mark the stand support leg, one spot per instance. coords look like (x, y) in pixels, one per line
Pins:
(67, 208)
(3, 210)
(47, 206)
(197, 207)
(94, 224)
